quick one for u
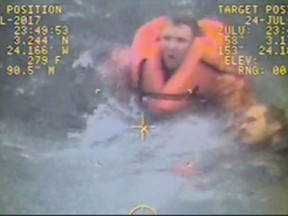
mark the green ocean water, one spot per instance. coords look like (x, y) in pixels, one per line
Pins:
(44, 170)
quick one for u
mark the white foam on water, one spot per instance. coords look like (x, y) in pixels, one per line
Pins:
(133, 172)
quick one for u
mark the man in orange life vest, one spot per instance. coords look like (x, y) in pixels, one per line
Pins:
(172, 57)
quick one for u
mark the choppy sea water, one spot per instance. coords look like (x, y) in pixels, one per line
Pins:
(67, 150)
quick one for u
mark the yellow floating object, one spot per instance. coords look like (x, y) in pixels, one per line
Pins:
(97, 91)
(141, 207)
(189, 164)
(98, 164)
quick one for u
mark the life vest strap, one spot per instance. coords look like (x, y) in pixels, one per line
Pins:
(161, 96)
(194, 95)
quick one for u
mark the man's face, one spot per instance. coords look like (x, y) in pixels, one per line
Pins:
(175, 42)
(254, 126)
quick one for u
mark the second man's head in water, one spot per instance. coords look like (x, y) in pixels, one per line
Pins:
(176, 39)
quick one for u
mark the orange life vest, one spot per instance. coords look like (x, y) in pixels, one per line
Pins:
(148, 35)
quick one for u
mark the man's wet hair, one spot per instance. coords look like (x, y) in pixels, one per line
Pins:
(189, 20)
